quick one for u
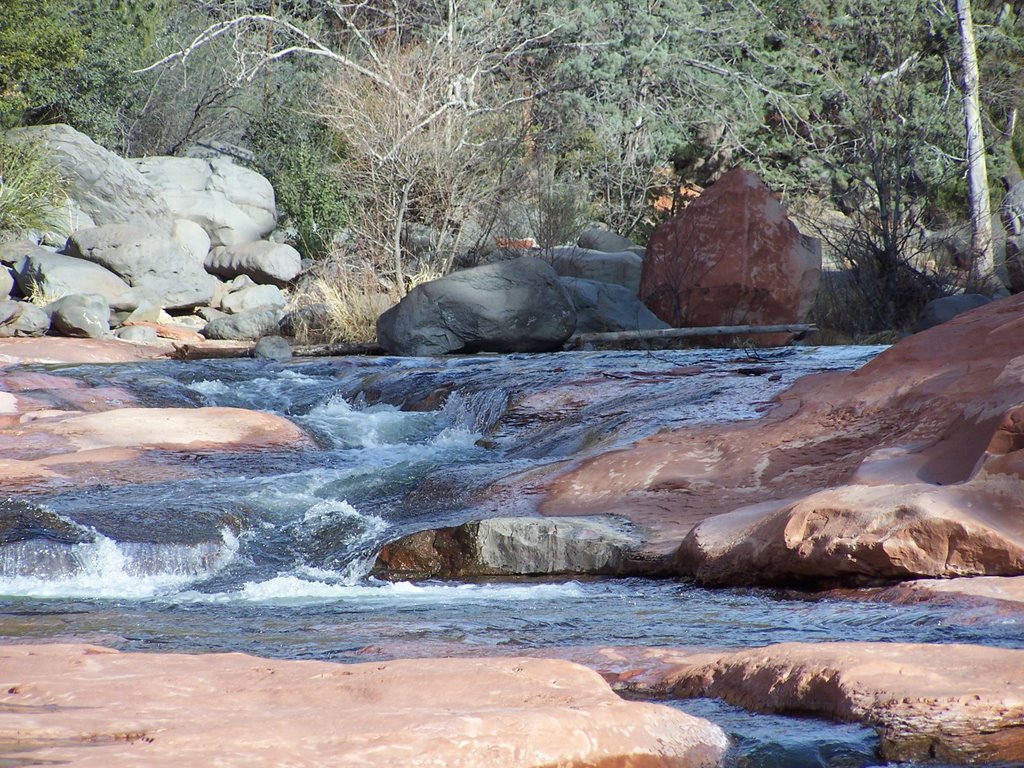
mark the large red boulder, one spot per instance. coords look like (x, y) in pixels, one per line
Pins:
(732, 257)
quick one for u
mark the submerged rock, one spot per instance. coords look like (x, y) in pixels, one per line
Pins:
(182, 709)
(511, 546)
(111, 446)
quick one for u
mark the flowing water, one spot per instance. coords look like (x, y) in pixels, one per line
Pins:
(269, 554)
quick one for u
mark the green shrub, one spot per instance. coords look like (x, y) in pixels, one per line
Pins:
(31, 189)
(39, 43)
(296, 154)
(71, 61)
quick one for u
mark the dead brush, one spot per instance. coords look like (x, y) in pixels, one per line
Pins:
(340, 303)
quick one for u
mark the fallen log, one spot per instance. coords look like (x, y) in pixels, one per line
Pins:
(580, 339)
(211, 350)
(338, 349)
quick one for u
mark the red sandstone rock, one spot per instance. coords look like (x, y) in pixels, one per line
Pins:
(111, 446)
(1006, 593)
(911, 466)
(95, 707)
(58, 350)
(732, 257)
(957, 703)
(951, 703)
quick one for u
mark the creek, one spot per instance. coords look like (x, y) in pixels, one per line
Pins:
(269, 553)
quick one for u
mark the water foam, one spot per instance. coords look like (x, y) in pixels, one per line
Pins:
(296, 589)
(106, 569)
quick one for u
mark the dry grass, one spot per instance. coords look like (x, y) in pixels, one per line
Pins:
(343, 304)
(342, 301)
(41, 298)
(31, 189)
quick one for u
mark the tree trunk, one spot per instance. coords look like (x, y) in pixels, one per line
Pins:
(982, 277)
(396, 242)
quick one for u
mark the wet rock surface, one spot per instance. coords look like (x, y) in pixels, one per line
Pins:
(514, 546)
(948, 703)
(236, 709)
(908, 467)
(55, 430)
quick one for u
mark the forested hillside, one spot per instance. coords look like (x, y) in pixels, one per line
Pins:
(385, 124)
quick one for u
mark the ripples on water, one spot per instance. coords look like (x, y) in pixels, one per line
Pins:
(269, 554)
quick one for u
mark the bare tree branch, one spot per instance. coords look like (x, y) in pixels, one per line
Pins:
(312, 47)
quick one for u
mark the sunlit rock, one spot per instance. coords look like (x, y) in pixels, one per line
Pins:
(233, 709)
(911, 466)
(512, 546)
(959, 704)
(732, 257)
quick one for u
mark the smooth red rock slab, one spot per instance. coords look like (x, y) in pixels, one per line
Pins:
(732, 257)
(911, 466)
(59, 350)
(111, 446)
(91, 706)
(1004, 592)
(950, 703)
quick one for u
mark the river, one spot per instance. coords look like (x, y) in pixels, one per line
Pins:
(269, 554)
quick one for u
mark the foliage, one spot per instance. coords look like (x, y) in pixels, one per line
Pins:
(294, 151)
(31, 190)
(343, 302)
(72, 62)
(429, 128)
(440, 114)
(38, 46)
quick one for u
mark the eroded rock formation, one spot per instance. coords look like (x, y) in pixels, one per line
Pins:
(960, 704)
(909, 467)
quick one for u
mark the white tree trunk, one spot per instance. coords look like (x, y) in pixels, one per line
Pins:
(982, 278)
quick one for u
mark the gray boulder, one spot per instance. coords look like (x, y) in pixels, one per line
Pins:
(604, 307)
(231, 203)
(39, 271)
(601, 239)
(272, 348)
(68, 218)
(513, 306)
(145, 259)
(137, 333)
(105, 187)
(19, 318)
(192, 238)
(247, 326)
(619, 268)
(6, 282)
(263, 261)
(80, 315)
(938, 311)
(253, 297)
(510, 546)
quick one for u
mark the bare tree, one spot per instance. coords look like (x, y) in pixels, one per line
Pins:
(982, 276)
(424, 101)
(430, 121)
